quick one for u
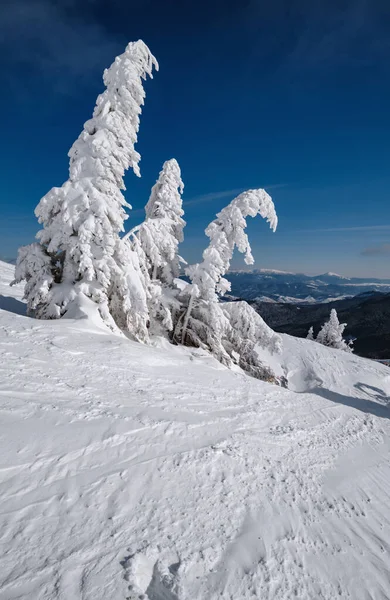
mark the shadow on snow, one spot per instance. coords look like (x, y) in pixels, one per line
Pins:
(378, 407)
(12, 305)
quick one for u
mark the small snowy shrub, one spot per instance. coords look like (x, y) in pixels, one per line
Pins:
(331, 334)
(38, 270)
(310, 334)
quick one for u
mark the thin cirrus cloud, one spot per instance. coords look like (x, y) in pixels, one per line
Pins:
(346, 229)
(210, 197)
(381, 250)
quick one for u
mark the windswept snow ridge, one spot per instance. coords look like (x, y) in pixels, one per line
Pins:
(135, 472)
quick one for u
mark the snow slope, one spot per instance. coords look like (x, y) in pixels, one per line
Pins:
(135, 472)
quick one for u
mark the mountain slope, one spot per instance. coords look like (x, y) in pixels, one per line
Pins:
(367, 317)
(130, 471)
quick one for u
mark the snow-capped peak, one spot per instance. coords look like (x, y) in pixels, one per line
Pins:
(275, 272)
(334, 275)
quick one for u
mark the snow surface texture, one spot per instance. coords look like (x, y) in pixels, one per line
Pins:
(135, 472)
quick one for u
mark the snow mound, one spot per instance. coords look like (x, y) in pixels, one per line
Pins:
(131, 471)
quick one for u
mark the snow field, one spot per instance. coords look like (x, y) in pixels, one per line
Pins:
(129, 471)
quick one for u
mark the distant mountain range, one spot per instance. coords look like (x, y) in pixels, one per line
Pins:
(292, 302)
(295, 288)
(367, 317)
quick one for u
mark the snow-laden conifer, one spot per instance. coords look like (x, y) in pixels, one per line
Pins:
(204, 323)
(157, 240)
(310, 334)
(82, 219)
(162, 230)
(331, 333)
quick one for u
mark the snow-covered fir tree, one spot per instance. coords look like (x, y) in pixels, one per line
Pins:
(157, 240)
(331, 333)
(162, 230)
(310, 334)
(79, 244)
(204, 322)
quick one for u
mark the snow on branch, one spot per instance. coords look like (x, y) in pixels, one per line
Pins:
(226, 233)
(229, 332)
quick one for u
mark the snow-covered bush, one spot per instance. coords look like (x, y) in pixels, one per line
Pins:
(204, 322)
(36, 268)
(310, 334)
(331, 334)
(157, 240)
(246, 331)
(82, 219)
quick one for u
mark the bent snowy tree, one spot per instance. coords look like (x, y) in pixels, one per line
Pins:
(203, 322)
(79, 243)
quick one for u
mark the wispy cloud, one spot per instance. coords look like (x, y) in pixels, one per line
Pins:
(210, 197)
(346, 229)
(381, 250)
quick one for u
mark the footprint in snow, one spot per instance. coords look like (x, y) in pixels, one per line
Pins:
(281, 429)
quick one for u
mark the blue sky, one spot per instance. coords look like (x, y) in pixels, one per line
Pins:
(292, 96)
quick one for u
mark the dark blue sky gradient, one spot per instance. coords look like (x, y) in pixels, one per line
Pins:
(292, 96)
